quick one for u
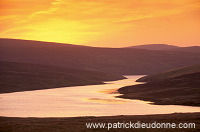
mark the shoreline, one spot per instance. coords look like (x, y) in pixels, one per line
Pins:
(175, 87)
(159, 95)
(19, 77)
(78, 85)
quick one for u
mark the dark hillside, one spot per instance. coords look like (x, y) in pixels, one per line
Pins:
(154, 46)
(114, 60)
(192, 49)
(170, 73)
(177, 89)
(16, 77)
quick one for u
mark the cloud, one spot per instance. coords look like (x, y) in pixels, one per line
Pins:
(86, 21)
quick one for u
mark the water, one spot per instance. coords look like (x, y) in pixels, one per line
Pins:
(92, 100)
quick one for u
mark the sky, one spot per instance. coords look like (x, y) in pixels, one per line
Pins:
(102, 23)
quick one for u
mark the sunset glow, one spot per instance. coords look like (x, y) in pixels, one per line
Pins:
(105, 23)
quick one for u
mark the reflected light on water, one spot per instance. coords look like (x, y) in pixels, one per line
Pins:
(106, 101)
(92, 100)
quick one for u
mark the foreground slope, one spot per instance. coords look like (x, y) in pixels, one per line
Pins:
(116, 60)
(78, 124)
(16, 77)
(177, 87)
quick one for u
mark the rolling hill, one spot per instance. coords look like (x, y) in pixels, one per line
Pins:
(15, 77)
(170, 74)
(166, 47)
(123, 61)
(175, 87)
(154, 46)
(194, 49)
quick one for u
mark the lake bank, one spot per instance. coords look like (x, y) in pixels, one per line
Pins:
(18, 77)
(175, 87)
(76, 124)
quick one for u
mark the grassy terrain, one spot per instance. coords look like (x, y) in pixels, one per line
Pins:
(77, 124)
(177, 87)
(124, 61)
(16, 77)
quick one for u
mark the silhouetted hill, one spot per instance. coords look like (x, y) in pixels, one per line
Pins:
(16, 77)
(170, 74)
(177, 87)
(115, 60)
(166, 47)
(194, 49)
(154, 46)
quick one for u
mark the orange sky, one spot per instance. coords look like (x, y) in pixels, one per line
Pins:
(107, 23)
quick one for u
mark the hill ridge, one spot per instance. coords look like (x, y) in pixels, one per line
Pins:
(124, 61)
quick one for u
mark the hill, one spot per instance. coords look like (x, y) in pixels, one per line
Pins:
(124, 61)
(194, 49)
(170, 74)
(180, 88)
(166, 47)
(15, 77)
(154, 46)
